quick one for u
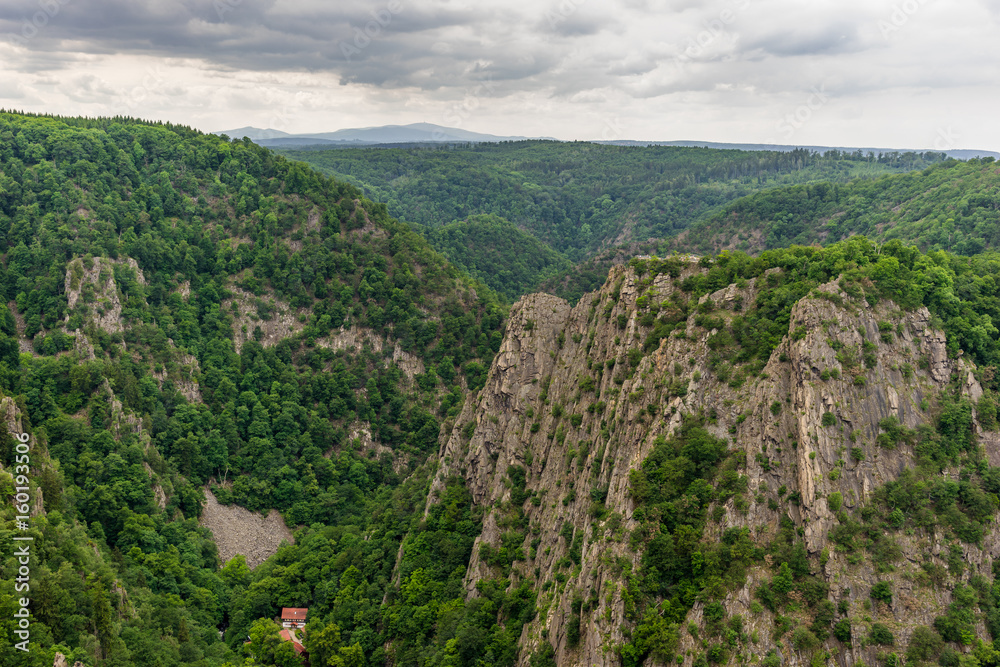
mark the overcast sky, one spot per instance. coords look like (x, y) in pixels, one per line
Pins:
(893, 73)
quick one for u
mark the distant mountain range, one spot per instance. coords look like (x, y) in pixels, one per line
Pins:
(362, 136)
(430, 133)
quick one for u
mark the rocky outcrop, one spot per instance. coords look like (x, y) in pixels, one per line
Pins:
(184, 376)
(574, 400)
(61, 661)
(90, 284)
(354, 338)
(280, 320)
(23, 342)
(10, 415)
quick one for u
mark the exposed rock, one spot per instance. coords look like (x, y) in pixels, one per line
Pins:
(360, 435)
(282, 322)
(10, 415)
(368, 228)
(23, 343)
(184, 380)
(160, 496)
(825, 389)
(354, 338)
(91, 285)
(38, 503)
(121, 422)
(237, 530)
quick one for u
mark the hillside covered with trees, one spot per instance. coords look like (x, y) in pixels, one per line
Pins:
(951, 206)
(580, 198)
(174, 303)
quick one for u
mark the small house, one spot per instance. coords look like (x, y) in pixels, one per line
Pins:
(293, 617)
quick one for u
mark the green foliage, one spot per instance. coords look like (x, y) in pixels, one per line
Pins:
(842, 630)
(953, 288)
(925, 644)
(834, 500)
(228, 235)
(804, 640)
(882, 591)
(958, 290)
(771, 659)
(494, 250)
(574, 198)
(958, 624)
(544, 657)
(880, 634)
(232, 240)
(950, 205)
(674, 483)
(893, 433)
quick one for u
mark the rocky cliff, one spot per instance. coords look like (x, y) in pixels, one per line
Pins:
(575, 402)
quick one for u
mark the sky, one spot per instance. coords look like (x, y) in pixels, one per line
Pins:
(899, 74)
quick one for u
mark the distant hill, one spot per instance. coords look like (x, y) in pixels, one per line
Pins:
(953, 206)
(578, 197)
(430, 133)
(255, 134)
(958, 154)
(385, 134)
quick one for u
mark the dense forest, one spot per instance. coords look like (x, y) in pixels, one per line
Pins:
(496, 251)
(952, 206)
(174, 303)
(142, 384)
(578, 198)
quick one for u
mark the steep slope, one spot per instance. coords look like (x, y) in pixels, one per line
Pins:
(668, 505)
(187, 313)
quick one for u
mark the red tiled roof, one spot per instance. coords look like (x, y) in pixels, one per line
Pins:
(287, 636)
(293, 613)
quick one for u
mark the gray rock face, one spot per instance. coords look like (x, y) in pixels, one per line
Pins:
(563, 402)
(92, 286)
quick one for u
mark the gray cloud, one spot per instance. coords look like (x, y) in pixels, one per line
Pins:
(565, 59)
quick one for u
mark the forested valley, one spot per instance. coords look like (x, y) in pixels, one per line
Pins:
(578, 199)
(471, 482)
